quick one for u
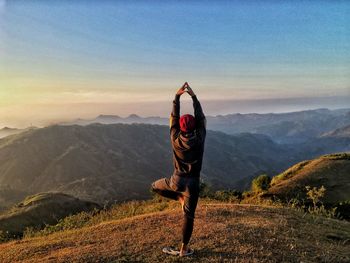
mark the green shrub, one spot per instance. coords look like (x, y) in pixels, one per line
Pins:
(228, 196)
(204, 190)
(261, 183)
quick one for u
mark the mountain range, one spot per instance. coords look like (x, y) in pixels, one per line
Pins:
(291, 127)
(117, 162)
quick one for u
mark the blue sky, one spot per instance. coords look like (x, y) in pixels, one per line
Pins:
(126, 52)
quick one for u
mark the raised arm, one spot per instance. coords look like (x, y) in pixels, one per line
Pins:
(198, 112)
(175, 113)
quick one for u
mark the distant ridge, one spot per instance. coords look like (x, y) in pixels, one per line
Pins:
(6, 131)
(341, 132)
(290, 127)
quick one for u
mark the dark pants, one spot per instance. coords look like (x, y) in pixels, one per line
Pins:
(176, 187)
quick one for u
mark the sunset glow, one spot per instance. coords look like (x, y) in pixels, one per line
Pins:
(70, 59)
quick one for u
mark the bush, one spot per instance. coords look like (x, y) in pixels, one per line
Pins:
(3, 236)
(343, 210)
(204, 190)
(228, 196)
(315, 194)
(261, 183)
(6, 236)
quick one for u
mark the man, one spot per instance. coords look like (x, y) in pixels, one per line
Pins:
(187, 138)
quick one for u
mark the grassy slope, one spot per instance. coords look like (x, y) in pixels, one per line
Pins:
(40, 209)
(223, 233)
(332, 171)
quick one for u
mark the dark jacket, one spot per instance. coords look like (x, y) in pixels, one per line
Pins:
(187, 148)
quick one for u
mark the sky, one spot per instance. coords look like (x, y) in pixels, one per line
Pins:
(67, 59)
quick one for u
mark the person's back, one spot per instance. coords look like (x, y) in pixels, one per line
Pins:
(187, 137)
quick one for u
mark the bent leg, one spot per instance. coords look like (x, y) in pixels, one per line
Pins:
(162, 187)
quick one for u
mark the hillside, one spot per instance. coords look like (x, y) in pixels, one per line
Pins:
(331, 171)
(223, 233)
(340, 132)
(40, 209)
(6, 131)
(9, 196)
(103, 162)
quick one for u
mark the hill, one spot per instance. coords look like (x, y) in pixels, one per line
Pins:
(104, 162)
(331, 171)
(222, 233)
(40, 209)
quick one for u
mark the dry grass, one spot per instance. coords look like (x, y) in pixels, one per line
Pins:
(223, 233)
(331, 171)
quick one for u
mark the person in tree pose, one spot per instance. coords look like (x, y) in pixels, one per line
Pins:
(187, 134)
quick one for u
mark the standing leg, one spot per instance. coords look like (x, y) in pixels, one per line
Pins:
(189, 208)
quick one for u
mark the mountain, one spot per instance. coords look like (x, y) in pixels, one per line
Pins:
(114, 119)
(41, 209)
(331, 171)
(119, 161)
(222, 233)
(291, 127)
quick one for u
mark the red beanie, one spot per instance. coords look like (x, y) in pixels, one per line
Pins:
(187, 123)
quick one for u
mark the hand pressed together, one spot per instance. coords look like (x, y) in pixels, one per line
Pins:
(185, 88)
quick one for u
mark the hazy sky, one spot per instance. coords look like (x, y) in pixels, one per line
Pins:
(62, 59)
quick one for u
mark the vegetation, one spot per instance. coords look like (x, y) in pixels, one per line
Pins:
(37, 210)
(343, 210)
(261, 183)
(331, 171)
(228, 196)
(315, 194)
(338, 156)
(300, 234)
(289, 172)
(115, 212)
